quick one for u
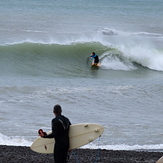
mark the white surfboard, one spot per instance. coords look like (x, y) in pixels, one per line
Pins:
(79, 135)
(160, 160)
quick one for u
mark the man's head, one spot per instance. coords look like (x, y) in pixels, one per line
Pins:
(93, 53)
(57, 110)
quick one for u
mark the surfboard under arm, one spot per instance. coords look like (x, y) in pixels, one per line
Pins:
(79, 135)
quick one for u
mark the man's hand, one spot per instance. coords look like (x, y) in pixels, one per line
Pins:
(41, 133)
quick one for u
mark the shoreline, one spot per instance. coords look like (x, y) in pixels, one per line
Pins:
(23, 154)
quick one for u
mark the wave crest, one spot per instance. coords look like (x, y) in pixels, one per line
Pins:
(116, 57)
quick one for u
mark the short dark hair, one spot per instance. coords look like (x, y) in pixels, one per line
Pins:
(93, 53)
(57, 109)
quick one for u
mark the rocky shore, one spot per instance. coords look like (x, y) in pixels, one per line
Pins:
(19, 154)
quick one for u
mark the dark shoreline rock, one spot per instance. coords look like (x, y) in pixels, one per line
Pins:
(19, 154)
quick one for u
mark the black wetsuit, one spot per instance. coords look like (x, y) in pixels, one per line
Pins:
(60, 131)
(96, 58)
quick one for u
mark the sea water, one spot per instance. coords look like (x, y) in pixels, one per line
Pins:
(44, 50)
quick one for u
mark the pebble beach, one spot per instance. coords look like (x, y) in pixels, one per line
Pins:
(22, 154)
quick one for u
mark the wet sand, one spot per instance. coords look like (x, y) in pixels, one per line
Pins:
(19, 154)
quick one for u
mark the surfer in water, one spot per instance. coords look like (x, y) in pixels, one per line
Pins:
(96, 58)
(60, 132)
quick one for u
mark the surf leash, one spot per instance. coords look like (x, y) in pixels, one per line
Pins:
(97, 155)
(98, 151)
(76, 157)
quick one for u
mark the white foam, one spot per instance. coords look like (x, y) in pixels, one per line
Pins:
(116, 61)
(112, 31)
(20, 141)
(144, 55)
(116, 64)
(126, 147)
(16, 141)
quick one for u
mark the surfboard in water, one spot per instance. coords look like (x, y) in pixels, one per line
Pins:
(95, 66)
(79, 135)
(98, 64)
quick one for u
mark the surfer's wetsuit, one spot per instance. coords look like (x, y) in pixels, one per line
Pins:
(60, 131)
(96, 59)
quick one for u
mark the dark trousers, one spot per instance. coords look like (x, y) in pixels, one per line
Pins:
(60, 154)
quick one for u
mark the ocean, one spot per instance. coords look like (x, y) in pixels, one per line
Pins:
(44, 50)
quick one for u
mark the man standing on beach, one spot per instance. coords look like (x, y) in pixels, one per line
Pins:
(60, 132)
